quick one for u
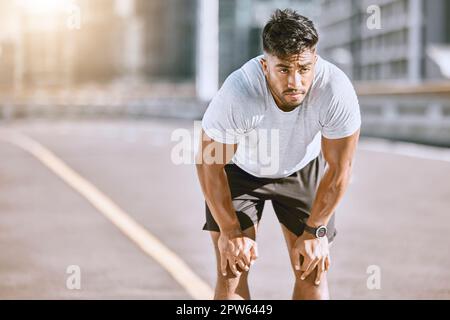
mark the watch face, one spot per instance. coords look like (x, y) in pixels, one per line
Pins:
(321, 232)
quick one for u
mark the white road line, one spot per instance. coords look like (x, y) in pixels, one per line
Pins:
(176, 267)
(405, 149)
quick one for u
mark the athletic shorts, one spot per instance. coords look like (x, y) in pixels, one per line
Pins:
(292, 197)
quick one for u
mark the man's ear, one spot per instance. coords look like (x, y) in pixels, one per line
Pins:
(263, 62)
(315, 54)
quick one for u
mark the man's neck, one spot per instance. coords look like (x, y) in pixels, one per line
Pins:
(279, 104)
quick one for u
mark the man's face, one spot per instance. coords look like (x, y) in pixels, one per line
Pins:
(290, 79)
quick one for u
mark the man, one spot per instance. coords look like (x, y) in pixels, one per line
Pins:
(305, 110)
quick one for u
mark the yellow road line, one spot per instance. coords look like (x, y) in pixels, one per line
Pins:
(148, 243)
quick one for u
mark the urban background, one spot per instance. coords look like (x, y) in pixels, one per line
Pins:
(124, 52)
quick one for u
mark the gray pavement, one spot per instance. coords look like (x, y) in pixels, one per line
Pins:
(395, 216)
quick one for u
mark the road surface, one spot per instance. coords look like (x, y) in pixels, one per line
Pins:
(393, 222)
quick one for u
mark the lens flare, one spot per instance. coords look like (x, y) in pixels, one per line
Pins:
(45, 6)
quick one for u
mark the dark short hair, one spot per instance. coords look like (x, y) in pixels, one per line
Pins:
(288, 33)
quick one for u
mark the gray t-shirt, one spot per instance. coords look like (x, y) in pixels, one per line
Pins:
(273, 143)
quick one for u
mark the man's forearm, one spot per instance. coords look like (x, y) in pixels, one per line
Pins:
(217, 194)
(331, 190)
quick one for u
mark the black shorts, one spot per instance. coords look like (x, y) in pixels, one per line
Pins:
(292, 197)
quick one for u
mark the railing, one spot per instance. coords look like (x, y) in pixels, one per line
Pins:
(156, 100)
(419, 113)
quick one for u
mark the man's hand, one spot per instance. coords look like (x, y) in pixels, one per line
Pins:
(236, 249)
(315, 252)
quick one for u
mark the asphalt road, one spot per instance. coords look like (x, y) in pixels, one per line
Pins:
(395, 217)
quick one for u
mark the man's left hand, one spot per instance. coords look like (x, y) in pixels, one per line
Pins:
(316, 254)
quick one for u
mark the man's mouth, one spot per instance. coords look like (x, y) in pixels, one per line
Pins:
(298, 93)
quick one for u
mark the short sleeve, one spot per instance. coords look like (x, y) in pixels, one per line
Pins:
(342, 117)
(223, 120)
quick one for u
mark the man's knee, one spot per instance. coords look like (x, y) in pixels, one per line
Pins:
(231, 286)
(231, 283)
(230, 277)
(307, 289)
(309, 280)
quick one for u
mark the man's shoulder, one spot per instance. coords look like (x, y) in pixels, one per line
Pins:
(250, 76)
(253, 65)
(245, 86)
(333, 80)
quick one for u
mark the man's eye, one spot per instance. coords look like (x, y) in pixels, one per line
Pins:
(305, 70)
(284, 70)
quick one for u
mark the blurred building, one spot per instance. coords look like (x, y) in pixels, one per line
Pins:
(125, 40)
(397, 51)
(169, 37)
(43, 50)
(7, 44)
(139, 39)
(97, 45)
(235, 21)
(117, 39)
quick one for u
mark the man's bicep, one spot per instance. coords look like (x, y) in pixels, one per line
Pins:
(340, 152)
(214, 153)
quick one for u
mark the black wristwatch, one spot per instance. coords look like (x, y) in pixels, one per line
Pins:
(318, 232)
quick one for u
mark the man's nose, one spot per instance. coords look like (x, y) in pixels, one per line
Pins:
(295, 81)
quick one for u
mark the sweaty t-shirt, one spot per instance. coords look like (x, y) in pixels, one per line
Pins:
(273, 143)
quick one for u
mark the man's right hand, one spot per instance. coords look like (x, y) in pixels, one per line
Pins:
(236, 249)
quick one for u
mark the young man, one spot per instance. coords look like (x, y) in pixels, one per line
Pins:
(302, 111)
